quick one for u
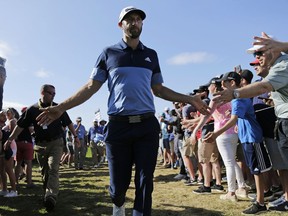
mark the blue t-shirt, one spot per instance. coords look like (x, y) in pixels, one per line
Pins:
(130, 74)
(249, 129)
(81, 131)
(93, 131)
(99, 136)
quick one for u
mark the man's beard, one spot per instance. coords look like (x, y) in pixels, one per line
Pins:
(134, 33)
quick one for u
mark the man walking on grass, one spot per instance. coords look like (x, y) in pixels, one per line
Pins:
(132, 134)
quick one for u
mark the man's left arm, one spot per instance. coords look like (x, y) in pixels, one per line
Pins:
(168, 94)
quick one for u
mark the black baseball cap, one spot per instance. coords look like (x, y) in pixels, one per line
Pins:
(232, 76)
(247, 75)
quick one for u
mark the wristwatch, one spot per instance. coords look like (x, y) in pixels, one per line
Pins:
(236, 94)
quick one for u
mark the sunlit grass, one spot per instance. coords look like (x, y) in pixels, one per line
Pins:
(85, 193)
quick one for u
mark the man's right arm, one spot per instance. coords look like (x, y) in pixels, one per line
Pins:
(83, 94)
(49, 114)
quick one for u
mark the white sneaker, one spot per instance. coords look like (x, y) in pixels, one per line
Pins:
(118, 211)
(12, 194)
(241, 192)
(3, 193)
(232, 198)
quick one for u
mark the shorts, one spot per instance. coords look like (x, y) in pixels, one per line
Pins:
(256, 157)
(70, 149)
(207, 152)
(282, 137)
(166, 144)
(24, 151)
(188, 149)
(171, 144)
(278, 162)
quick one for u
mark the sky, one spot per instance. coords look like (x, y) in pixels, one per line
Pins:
(58, 42)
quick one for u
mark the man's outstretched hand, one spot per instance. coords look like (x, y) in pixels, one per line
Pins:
(48, 115)
(200, 105)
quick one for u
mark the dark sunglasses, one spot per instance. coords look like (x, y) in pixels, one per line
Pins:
(51, 93)
(258, 54)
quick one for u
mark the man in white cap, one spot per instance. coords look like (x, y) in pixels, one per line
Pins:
(132, 134)
(276, 81)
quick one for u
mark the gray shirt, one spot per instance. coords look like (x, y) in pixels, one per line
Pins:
(278, 78)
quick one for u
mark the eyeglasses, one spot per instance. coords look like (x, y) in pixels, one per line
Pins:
(258, 54)
(51, 93)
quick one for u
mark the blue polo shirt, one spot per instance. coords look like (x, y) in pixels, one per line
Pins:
(130, 74)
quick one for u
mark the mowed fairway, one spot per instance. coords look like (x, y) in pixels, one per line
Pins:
(85, 192)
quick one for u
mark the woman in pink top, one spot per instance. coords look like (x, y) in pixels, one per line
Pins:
(226, 143)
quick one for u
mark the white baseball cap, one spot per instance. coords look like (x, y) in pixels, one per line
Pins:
(130, 9)
(256, 47)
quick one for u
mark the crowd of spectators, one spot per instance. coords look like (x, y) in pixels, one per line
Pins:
(242, 141)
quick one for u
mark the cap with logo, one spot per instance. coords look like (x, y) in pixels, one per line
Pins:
(201, 88)
(131, 9)
(232, 76)
(214, 80)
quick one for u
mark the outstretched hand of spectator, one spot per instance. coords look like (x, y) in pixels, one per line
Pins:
(268, 43)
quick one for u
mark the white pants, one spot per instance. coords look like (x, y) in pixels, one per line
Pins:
(227, 145)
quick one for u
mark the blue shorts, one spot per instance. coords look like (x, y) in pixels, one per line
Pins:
(166, 144)
(256, 157)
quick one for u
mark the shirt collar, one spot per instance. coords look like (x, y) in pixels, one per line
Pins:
(124, 45)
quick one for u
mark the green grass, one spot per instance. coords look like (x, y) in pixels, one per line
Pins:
(85, 193)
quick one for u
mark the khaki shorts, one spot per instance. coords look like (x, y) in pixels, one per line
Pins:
(207, 152)
(188, 149)
(171, 144)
